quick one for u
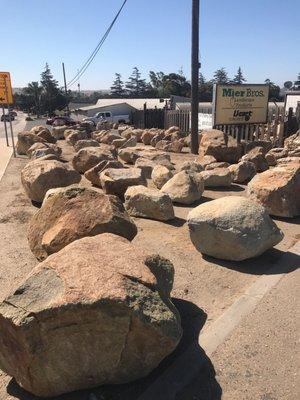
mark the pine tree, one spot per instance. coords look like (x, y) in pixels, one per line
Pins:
(136, 86)
(220, 76)
(52, 96)
(117, 88)
(239, 77)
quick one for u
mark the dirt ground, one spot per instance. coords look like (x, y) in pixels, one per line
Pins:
(204, 287)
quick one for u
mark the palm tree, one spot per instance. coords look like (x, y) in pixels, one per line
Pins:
(34, 90)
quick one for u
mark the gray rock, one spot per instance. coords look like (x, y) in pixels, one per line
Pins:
(116, 181)
(184, 187)
(232, 228)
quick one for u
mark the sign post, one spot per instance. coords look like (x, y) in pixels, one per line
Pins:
(5, 127)
(6, 97)
(240, 104)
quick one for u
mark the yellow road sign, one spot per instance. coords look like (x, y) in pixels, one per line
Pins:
(6, 96)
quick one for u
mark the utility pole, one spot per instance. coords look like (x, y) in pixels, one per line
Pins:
(195, 77)
(65, 84)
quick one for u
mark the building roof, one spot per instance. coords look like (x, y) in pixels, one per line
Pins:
(135, 103)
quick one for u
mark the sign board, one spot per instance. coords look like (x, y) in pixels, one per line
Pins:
(291, 101)
(6, 96)
(240, 104)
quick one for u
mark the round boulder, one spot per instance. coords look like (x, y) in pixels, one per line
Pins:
(97, 312)
(184, 187)
(232, 228)
(88, 157)
(141, 201)
(40, 175)
(73, 213)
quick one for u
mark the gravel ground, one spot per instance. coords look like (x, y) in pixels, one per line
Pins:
(203, 289)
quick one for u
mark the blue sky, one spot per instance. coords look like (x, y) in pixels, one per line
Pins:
(261, 36)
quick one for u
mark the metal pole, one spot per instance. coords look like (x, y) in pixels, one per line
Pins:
(11, 129)
(5, 127)
(195, 77)
(65, 84)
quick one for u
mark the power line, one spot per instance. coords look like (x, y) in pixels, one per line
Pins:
(94, 53)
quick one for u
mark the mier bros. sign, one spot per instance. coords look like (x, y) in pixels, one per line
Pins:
(240, 104)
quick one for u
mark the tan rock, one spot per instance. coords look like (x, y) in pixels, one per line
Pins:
(217, 165)
(232, 228)
(218, 177)
(75, 136)
(256, 156)
(93, 174)
(141, 201)
(206, 160)
(97, 312)
(73, 213)
(116, 181)
(191, 166)
(184, 187)
(81, 144)
(26, 140)
(58, 132)
(46, 135)
(219, 145)
(242, 172)
(278, 190)
(160, 175)
(88, 157)
(40, 175)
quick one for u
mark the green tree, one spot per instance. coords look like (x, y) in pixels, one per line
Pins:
(239, 77)
(274, 92)
(220, 76)
(170, 84)
(117, 88)
(52, 97)
(135, 86)
(205, 89)
(34, 92)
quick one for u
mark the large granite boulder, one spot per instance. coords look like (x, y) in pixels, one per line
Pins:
(160, 175)
(93, 174)
(46, 135)
(40, 175)
(242, 172)
(220, 164)
(232, 228)
(72, 213)
(131, 154)
(184, 187)
(278, 190)
(293, 141)
(218, 177)
(40, 149)
(116, 181)
(220, 145)
(88, 157)
(26, 140)
(141, 201)
(81, 144)
(256, 156)
(97, 312)
(146, 166)
(273, 155)
(191, 166)
(77, 135)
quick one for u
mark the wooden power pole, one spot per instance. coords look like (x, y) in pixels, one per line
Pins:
(65, 85)
(195, 77)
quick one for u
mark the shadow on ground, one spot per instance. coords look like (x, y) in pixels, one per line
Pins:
(185, 375)
(262, 265)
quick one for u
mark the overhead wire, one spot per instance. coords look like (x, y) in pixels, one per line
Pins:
(97, 48)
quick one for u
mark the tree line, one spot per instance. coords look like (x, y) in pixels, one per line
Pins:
(45, 96)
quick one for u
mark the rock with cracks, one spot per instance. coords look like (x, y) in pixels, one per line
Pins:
(218, 177)
(141, 201)
(74, 213)
(40, 175)
(220, 145)
(184, 187)
(26, 140)
(278, 190)
(116, 181)
(242, 172)
(88, 157)
(97, 312)
(160, 175)
(232, 228)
